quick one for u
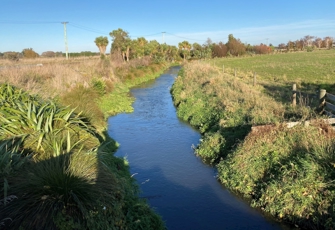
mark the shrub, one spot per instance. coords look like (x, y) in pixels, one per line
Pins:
(210, 147)
(289, 173)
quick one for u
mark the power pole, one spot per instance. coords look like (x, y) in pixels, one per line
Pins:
(65, 39)
(267, 42)
(163, 36)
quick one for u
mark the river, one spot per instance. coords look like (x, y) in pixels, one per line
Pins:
(182, 189)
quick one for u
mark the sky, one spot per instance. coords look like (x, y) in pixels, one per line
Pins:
(37, 24)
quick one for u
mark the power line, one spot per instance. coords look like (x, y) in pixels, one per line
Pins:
(29, 22)
(146, 35)
(88, 29)
(185, 37)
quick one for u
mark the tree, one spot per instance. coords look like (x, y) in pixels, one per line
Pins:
(262, 49)
(235, 46)
(120, 41)
(141, 43)
(101, 43)
(308, 40)
(220, 50)
(328, 42)
(29, 53)
(13, 56)
(299, 44)
(184, 48)
(290, 45)
(318, 42)
(151, 48)
(48, 54)
(282, 46)
(197, 51)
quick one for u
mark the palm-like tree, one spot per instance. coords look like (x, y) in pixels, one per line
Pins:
(185, 48)
(101, 43)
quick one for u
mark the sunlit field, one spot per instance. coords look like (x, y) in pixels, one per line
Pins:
(304, 68)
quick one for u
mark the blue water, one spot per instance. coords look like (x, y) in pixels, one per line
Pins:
(182, 189)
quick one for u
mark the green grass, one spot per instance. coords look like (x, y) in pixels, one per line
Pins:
(288, 173)
(59, 173)
(119, 100)
(315, 67)
(309, 70)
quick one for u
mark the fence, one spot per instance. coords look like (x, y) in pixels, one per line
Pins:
(324, 100)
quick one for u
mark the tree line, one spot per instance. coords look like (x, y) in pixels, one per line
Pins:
(123, 48)
(308, 42)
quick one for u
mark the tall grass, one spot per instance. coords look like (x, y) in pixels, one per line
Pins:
(221, 105)
(59, 172)
(288, 173)
(90, 86)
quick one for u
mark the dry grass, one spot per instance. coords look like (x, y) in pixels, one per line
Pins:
(53, 78)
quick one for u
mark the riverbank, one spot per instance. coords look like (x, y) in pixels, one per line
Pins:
(61, 156)
(287, 173)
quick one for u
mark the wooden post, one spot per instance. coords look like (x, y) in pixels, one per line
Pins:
(322, 100)
(235, 72)
(294, 95)
(254, 78)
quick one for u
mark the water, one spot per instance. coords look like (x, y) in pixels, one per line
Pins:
(176, 183)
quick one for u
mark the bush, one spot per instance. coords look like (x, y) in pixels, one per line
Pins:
(210, 147)
(288, 173)
(60, 174)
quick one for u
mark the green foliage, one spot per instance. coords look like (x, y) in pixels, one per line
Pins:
(101, 43)
(29, 53)
(57, 167)
(99, 85)
(116, 102)
(84, 99)
(210, 146)
(288, 173)
(223, 105)
(310, 49)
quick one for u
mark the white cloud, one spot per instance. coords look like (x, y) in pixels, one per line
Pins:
(274, 34)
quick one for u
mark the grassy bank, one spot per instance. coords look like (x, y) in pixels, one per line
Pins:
(56, 162)
(288, 173)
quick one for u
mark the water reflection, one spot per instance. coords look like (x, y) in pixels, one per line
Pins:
(177, 184)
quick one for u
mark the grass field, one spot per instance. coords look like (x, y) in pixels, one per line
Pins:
(309, 70)
(288, 173)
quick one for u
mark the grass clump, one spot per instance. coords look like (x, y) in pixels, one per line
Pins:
(288, 173)
(59, 173)
(221, 105)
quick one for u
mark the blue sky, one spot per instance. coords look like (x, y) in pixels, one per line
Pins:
(37, 23)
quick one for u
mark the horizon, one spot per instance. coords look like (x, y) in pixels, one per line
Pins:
(38, 25)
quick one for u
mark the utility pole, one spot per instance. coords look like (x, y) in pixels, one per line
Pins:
(163, 36)
(267, 42)
(65, 39)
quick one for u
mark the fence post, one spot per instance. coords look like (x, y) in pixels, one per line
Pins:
(322, 100)
(254, 78)
(294, 95)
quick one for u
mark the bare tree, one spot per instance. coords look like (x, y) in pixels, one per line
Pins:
(308, 40)
(328, 42)
(318, 42)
